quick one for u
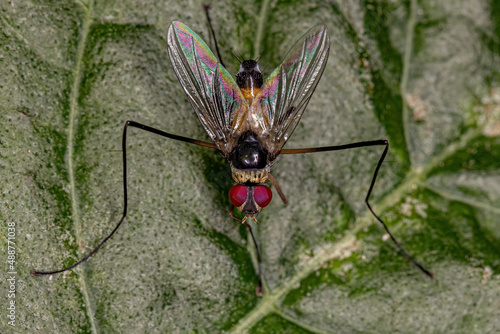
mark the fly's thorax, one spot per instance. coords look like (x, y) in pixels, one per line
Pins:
(249, 160)
(245, 176)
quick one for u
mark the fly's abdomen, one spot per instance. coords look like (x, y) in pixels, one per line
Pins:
(249, 79)
(249, 93)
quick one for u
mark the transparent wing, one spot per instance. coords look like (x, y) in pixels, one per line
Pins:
(279, 105)
(212, 91)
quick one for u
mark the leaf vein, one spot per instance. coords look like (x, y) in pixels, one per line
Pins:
(75, 89)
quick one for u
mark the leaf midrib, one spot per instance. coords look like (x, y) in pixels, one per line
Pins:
(408, 51)
(260, 27)
(75, 90)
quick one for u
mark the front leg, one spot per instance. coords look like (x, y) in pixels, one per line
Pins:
(259, 290)
(276, 185)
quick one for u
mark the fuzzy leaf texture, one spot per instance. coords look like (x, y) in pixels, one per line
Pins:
(423, 74)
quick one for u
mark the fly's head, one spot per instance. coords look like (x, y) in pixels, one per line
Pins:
(250, 199)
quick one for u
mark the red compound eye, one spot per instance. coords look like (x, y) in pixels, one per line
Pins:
(238, 195)
(262, 195)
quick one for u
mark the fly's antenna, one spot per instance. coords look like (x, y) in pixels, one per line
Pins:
(207, 8)
(257, 58)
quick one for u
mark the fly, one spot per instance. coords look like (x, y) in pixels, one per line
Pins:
(249, 120)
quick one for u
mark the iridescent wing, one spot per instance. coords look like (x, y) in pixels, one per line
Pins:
(279, 105)
(213, 93)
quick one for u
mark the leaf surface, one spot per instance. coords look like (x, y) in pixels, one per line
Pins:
(422, 74)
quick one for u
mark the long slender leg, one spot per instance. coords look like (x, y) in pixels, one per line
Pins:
(124, 149)
(276, 185)
(207, 9)
(372, 184)
(259, 291)
(232, 216)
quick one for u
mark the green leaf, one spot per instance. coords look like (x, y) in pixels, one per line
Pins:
(423, 74)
